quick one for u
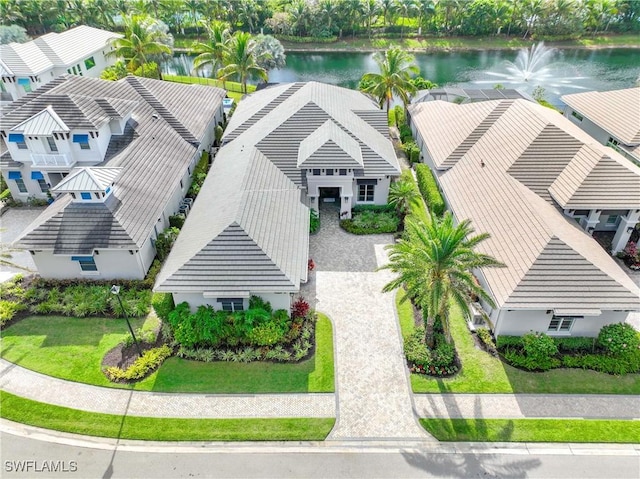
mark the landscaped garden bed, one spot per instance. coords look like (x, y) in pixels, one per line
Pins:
(631, 256)
(372, 219)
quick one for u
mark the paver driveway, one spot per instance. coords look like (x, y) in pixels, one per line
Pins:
(374, 395)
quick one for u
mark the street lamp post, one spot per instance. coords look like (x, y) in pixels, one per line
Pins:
(116, 290)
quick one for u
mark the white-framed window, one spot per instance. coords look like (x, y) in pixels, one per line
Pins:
(21, 186)
(52, 144)
(231, 304)
(87, 263)
(316, 172)
(612, 219)
(562, 323)
(43, 185)
(89, 63)
(366, 192)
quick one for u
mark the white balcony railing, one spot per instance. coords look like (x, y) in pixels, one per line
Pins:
(43, 160)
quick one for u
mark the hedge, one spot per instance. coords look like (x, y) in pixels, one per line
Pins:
(376, 208)
(429, 189)
(294, 39)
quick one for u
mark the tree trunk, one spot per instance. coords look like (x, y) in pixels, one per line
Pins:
(428, 329)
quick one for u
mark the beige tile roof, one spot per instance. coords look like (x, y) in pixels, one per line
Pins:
(617, 112)
(550, 262)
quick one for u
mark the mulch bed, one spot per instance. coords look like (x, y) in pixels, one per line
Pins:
(123, 357)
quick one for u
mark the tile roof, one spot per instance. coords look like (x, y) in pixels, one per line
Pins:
(54, 50)
(44, 123)
(152, 154)
(329, 146)
(550, 261)
(617, 112)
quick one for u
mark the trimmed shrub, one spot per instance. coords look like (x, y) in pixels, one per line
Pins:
(405, 133)
(8, 310)
(416, 350)
(539, 346)
(199, 175)
(150, 360)
(429, 189)
(377, 208)
(371, 222)
(504, 342)
(163, 305)
(177, 221)
(604, 364)
(526, 362)
(164, 242)
(575, 345)
(619, 339)
(412, 151)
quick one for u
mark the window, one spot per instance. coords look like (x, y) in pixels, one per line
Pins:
(581, 213)
(43, 185)
(20, 184)
(25, 83)
(85, 195)
(87, 263)
(52, 144)
(366, 189)
(18, 139)
(562, 323)
(577, 115)
(75, 72)
(316, 172)
(342, 172)
(613, 143)
(329, 172)
(83, 141)
(89, 63)
(231, 304)
(612, 219)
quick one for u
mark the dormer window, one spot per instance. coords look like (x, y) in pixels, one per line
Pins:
(18, 139)
(83, 141)
(90, 184)
(85, 195)
(52, 144)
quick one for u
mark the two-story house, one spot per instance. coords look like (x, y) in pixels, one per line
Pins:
(24, 67)
(116, 156)
(540, 187)
(611, 117)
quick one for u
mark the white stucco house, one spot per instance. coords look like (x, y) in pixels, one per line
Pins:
(611, 117)
(117, 157)
(540, 186)
(82, 51)
(286, 147)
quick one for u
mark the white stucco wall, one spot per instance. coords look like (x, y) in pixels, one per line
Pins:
(516, 323)
(600, 135)
(111, 264)
(195, 300)
(380, 193)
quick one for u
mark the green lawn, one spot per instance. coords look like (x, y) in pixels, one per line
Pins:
(482, 373)
(534, 430)
(418, 208)
(73, 348)
(35, 413)
(234, 89)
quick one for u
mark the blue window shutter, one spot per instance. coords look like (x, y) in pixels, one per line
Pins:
(107, 190)
(37, 175)
(81, 138)
(16, 137)
(85, 196)
(82, 258)
(15, 175)
(24, 81)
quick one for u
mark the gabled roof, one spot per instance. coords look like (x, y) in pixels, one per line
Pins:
(247, 232)
(54, 50)
(277, 120)
(44, 123)
(5, 71)
(550, 261)
(617, 112)
(88, 179)
(153, 156)
(329, 146)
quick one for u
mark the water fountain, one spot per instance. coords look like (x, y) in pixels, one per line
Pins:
(534, 67)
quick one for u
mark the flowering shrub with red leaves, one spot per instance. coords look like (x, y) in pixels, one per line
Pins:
(300, 308)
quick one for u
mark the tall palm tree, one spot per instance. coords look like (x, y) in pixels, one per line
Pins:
(402, 194)
(137, 44)
(396, 68)
(240, 60)
(434, 262)
(211, 54)
(370, 10)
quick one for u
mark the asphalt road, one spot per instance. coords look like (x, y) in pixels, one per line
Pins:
(35, 457)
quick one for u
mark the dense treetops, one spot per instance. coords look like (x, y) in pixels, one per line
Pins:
(327, 18)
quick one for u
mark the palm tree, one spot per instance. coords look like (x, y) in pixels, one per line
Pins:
(211, 54)
(138, 43)
(402, 194)
(240, 60)
(396, 68)
(434, 262)
(370, 9)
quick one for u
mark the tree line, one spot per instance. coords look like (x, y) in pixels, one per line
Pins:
(330, 18)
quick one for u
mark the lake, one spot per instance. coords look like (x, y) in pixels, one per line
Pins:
(564, 71)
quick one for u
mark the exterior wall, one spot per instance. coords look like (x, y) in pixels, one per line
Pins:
(588, 126)
(380, 193)
(604, 216)
(517, 323)
(195, 300)
(111, 264)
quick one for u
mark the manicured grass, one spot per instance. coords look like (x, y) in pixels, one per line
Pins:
(458, 43)
(63, 347)
(534, 430)
(35, 413)
(405, 315)
(234, 89)
(418, 208)
(482, 373)
(73, 348)
(313, 375)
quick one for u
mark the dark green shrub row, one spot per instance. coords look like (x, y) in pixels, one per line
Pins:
(163, 305)
(164, 242)
(149, 362)
(177, 221)
(604, 364)
(405, 133)
(437, 362)
(429, 189)
(370, 222)
(314, 221)
(525, 362)
(575, 345)
(377, 208)
(397, 116)
(199, 175)
(295, 39)
(412, 151)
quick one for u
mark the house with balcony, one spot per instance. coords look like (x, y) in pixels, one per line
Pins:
(540, 186)
(286, 149)
(24, 67)
(611, 117)
(117, 157)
